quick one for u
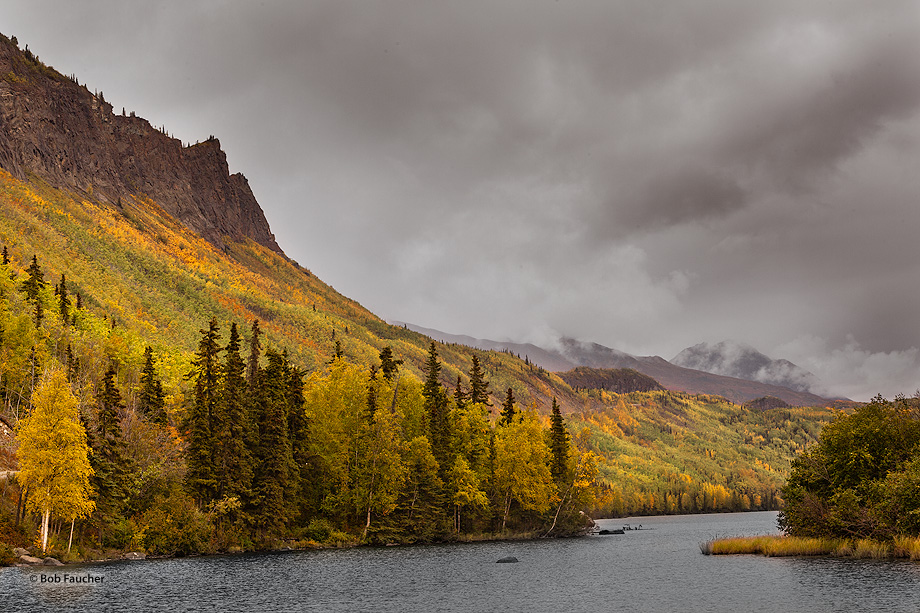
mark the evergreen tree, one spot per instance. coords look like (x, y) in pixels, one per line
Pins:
(274, 457)
(110, 465)
(6, 256)
(38, 315)
(64, 302)
(460, 397)
(72, 364)
(255, 351)
(558, 445)
(372, 385)
(432, 372)
(298, 432)
(388, 366)
(436, 408)
(508, 410)
(233, 458)
(34, 282)
(479, 387)
(201, 421)
(152, 400)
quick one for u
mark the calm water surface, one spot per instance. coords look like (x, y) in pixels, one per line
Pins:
(658, 568)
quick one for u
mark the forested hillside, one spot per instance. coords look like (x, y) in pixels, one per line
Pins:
(202, 392)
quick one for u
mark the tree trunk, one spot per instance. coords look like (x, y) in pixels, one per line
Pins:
(70, 540)
(19, 506)
(46, 516)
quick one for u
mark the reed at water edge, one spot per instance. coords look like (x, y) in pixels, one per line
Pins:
(777, 546)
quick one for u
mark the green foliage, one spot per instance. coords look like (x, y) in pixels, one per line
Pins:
(233, 457)
(152, 400)
(175, 526)
(203, 420)
(508, 411)
(389, 366)
(479, 387)
(110, 464)
(558, 444)
(274, 462)
(862, 478)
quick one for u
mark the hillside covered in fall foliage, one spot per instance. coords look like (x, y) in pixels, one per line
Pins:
(150, 312)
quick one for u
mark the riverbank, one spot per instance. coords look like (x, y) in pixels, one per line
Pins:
(904, 547)
(25, 557)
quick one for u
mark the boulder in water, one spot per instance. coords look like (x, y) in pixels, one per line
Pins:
(507, 560)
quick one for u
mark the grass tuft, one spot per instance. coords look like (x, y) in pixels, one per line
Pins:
(906, 547)
(872, 550)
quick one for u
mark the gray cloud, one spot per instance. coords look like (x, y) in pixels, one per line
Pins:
(644, 174)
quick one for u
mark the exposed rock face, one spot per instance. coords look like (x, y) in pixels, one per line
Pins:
(60, 131)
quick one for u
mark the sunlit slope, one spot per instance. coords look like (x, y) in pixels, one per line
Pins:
(158, 283)
(146, 279)
(668, 452)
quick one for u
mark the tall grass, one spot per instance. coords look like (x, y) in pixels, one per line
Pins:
(906, 547)
(778, 546)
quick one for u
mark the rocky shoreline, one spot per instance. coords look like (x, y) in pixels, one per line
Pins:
(26, 559)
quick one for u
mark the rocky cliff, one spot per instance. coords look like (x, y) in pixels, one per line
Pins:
(53, 128)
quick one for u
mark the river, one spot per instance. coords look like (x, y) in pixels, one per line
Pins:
(657, 568)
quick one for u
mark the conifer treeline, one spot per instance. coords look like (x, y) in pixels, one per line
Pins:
(265, 452)
(367, 450)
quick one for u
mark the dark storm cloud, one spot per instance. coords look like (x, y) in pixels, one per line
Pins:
(644, 174)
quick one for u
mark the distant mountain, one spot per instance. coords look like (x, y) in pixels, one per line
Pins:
(546, 358)
(742, 361)
(570, 353)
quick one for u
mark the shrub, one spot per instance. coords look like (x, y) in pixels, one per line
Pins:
(175, 526)
(7, 557)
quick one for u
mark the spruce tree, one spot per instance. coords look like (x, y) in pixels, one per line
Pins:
(298, 433)
(201, 421)
(64, 302)
(6, 256)
(479, 387)
(558, 444)
(460, 397)
(110, 466)
(274, 458)
(233, 458)
(432, 372)
(508, 410)
(255, 351)
(152, 400)
(34, 282)
(436, 408)
(388, 366)
(38, 315)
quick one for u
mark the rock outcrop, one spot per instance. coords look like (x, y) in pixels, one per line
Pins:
(53, 128)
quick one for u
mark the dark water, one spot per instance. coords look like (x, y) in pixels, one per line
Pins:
(658, 568)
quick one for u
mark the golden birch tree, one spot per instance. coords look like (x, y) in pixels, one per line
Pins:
(53, 454)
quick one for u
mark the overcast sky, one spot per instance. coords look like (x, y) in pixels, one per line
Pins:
(646, 175)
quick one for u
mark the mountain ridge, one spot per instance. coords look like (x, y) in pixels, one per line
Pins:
(740, 360)
(56, 129)
(571, 353)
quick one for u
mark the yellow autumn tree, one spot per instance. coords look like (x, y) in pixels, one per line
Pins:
(53, 454)
(522, 465)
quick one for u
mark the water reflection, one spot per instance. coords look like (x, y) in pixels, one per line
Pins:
(659, 568)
